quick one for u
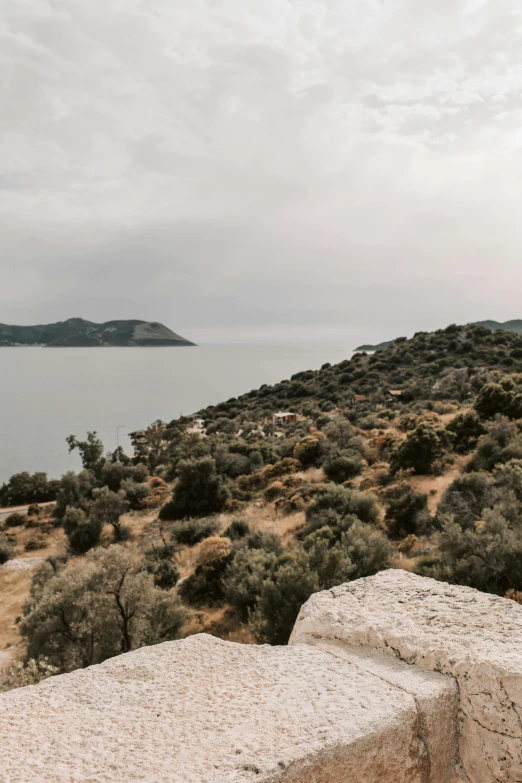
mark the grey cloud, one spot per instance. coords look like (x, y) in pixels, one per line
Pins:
(276, 167)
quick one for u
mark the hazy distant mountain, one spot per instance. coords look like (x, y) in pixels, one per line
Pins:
(85, 334)
(508, 326)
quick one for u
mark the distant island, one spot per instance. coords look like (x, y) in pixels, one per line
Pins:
(493, 326)
(372, 348)
(76, 332)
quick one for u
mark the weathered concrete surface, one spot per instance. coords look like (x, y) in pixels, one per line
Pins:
(474, 637)
(203, 710)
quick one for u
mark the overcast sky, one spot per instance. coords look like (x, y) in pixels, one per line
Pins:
(261, 169)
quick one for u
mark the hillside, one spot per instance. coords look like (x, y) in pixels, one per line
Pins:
(493, 326)
(442, 365)
(409, 458)
(508, 326)
(76, 332)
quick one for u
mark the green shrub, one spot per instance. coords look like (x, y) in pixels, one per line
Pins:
(466, 498)
(237, 530)
(24, 488)
(243, 581)
(75, 489)
(83, 532)
(115, 474)
(6, 549)
(345, 502)
(135, 493)
(103, 605)
(310, 451)
(199, 490)
(261, 539)
(465, 430)
(342, 467)
(280, 600)
(323, 562)
(403, 512)
(502, 444)
(504, 398)
(161, 566)
(205, 585)
(508, 477)
(421, 449)
(487, 556)
(191, 531)
(15, 520)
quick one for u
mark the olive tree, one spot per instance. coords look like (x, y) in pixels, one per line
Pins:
(91, 610)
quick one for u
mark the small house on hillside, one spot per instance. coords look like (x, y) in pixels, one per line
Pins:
(285, 418)
(395, 394)
(357, 399)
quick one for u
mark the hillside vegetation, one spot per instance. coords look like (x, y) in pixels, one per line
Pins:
(493, 326)
(76, 332)
(408, 458)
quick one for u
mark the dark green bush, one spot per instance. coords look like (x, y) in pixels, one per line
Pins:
(310, 450)
(504, 398)
(83, 532)
(342, 467)
(205, 585)
(403, 513)
(243, 581)
(323, 562)
(15, 520)
(502, 444)
(161, 566)
(487, 556)
(24, 488)
(135, 493)
(270, 542)
(75, 489)
(6, 549)
(191, 531)
(466, 498)
(465, 429)
(199, 490)
(237, 530)
(345, 502)
(421, 449)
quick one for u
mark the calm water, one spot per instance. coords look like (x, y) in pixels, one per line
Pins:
(49, 393)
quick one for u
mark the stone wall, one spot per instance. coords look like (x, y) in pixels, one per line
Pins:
(393, 678)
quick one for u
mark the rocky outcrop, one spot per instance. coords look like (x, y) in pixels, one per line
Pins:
(432, 626)
(393, 679)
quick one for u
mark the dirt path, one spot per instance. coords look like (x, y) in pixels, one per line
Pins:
(437, 483)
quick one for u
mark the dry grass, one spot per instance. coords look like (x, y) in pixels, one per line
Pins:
(221, 622)
(52, 538)
(314, 475)
(435, 486)
(14, 590)
(15, 585)
(267, 519)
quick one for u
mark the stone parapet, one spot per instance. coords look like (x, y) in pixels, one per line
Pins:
(393, 679)
(473, 637)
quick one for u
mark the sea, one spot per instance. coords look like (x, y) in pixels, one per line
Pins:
(47, 394)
